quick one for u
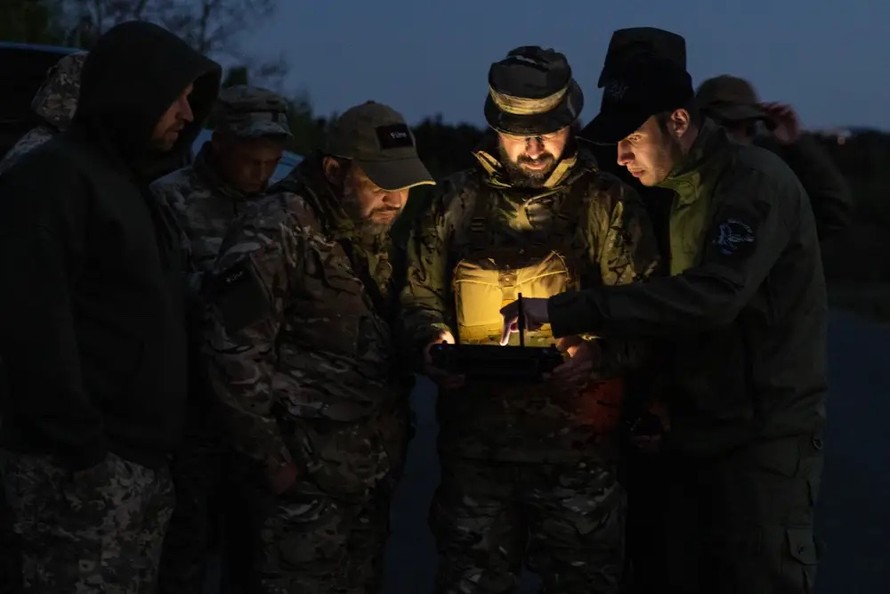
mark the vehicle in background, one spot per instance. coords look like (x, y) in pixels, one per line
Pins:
(23, 69)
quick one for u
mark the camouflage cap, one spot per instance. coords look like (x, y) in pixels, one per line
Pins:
(56, 99)
(378, 139)
(251, 112)
(729, 99)
(532, 92)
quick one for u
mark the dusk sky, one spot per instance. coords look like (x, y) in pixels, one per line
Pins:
(828, 58)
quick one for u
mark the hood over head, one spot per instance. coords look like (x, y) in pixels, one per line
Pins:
(56, 99)
(131, 77)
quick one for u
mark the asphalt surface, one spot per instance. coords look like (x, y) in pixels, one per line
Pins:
(854, 506)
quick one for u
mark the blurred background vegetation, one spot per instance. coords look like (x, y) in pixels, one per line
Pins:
(857, 264)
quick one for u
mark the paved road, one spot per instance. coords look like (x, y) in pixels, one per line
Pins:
(855, 503)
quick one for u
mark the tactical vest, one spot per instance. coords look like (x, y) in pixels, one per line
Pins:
(525, 423)
(489, 276)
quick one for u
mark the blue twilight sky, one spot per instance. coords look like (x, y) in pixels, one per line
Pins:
(829, 58)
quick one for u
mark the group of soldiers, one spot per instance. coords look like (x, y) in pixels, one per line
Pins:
(190, 351)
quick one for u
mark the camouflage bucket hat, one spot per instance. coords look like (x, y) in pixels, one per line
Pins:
(56, 99)
(252, 112)
(377, 138)
(729, 99)
(532, 91)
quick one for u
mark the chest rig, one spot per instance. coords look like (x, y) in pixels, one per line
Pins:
(500, 261)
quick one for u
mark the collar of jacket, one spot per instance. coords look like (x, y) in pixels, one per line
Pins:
(576, 162)
(308, 181)
(205, 167)
(686, 177)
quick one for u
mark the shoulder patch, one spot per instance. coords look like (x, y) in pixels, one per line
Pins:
(239, 295)
(735, 236)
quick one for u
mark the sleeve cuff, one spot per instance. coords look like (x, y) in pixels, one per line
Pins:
(573, 313)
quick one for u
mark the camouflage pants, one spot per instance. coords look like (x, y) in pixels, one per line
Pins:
(96, 530)
(328, 533)
(565, 522)
(319, 544)
(744, 522)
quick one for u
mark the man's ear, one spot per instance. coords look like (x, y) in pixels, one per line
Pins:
(680, 123)
(333, 170)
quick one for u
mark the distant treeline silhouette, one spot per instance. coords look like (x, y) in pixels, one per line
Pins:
(856, 262)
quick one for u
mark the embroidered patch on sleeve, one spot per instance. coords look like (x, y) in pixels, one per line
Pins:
(735, 237)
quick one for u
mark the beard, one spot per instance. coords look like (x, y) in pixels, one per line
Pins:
(366, 227)
(524, 178)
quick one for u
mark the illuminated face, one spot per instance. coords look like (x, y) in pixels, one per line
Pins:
(373, 208)
(650, 153)
(167, 129)
(529, 160)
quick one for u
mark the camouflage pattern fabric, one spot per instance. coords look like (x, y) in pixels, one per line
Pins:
(32, 139)
(320, 544)
(302, 360)
(54, 102)
(609, 238)
(204, 204)
(204, 468)
(565, 522)
(96, 530)
(251, 112)
(526, 478)
(295, 332)
(328, 533)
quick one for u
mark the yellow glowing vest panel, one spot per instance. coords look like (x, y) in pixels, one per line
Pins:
(483, 286)
(492, 274)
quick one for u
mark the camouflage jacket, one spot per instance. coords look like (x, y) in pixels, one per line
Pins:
(205, 206)
(33, 138)
(611, 237)
(299, 320)
(54, 103)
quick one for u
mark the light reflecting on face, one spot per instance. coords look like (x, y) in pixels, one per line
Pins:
(372, 207)
(529, 160)
(650, 153)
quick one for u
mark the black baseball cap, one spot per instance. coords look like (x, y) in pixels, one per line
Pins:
(377, 137)
(642, 83)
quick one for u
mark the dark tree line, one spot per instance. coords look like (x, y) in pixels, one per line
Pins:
(860, 256)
